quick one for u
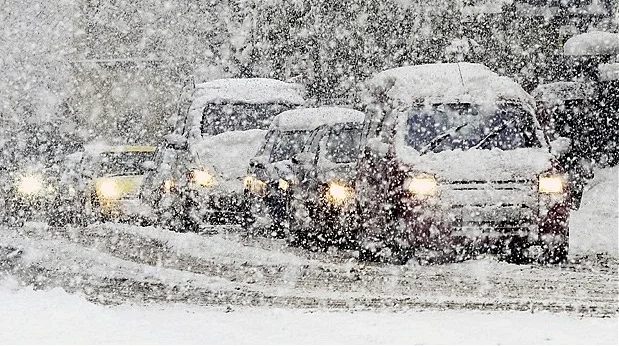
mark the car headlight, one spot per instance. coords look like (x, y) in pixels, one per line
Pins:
(202, 178)
(339, 193)
(422, 186)
(168, 185)
(30, 185)
(109, 189)
(283, 184)
(255, 185)
(551, 184)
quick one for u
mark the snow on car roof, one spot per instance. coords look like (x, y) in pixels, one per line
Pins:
(241, 90)
(561, 91)
(446, 83)
(248, 90)
(608, 72)
(311, 118)
(592, 43)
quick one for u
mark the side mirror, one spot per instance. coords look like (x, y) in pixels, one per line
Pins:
(303, 158)
(560, 146)
(175, 141)
(258, 162)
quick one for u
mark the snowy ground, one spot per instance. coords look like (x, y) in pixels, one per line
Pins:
(158, 286)
(57, 317)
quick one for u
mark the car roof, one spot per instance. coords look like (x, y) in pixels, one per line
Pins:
(447, 83)
(247, 90)
(592, 43)
(128, 149)
(311, 118)
(557, 92)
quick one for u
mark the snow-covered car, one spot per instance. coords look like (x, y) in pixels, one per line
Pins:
(114, 177)
(31, 174)
(322, 208)
(218, 133)
(270, 174)
(455, 157)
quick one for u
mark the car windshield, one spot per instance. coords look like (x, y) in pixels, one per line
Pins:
(445, 127)
(124, 163)
(288, 144)
(343, 145)
(220, 118)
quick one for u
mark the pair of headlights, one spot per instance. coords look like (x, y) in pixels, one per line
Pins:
(428, 186)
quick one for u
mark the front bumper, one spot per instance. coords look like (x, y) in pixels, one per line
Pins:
(464, 217)
(213, 206)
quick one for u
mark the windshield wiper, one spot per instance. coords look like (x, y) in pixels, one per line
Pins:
(438, 139)
(492, 134)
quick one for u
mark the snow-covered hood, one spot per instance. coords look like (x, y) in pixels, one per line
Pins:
(227, 156)
(479, 165)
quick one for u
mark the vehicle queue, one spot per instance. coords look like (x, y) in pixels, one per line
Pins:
(440, 161)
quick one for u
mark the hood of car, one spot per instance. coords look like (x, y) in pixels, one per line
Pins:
(226, 156)
(480, 165)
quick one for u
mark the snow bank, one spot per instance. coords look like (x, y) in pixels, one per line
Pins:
(594, 228)
(57, 317)
(311, 118)
(592, 43)
(441, 83)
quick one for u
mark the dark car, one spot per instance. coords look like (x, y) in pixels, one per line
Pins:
(219, 130)
(322, 207)
(270, 176)
(455, 159)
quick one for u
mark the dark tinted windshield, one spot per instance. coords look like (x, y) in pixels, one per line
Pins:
(343, 145)
(509, 127)
(124, 163)
(220, 118)
(288, 144)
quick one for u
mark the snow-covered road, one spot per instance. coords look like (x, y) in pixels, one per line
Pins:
(284, 294)
(115, 263)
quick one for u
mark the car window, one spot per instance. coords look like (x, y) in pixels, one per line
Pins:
(342, 145)
(220, 118)
(288, 144)
(463, 126)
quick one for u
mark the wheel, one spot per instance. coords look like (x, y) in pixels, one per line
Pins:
(516, 251)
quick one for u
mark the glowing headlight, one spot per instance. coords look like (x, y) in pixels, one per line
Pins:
(30, 185)
(202, 178)
(338, 193)
(283, 184)
(108, 189)
(255, 185)
(551, 184)
(168, 185)
(424, 186)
